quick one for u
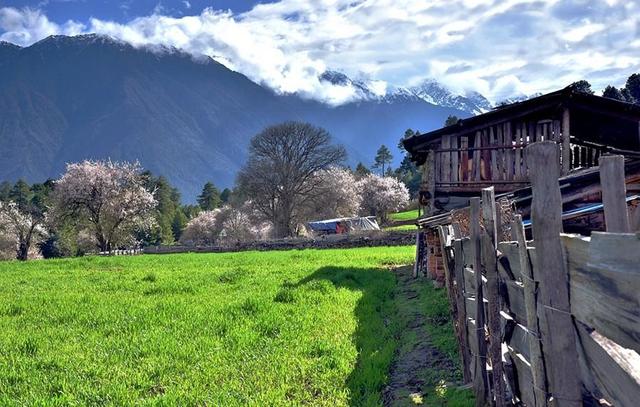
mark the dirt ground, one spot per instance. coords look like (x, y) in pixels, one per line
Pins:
(418, 367)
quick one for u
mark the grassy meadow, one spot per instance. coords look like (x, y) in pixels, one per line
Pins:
(406, 215)
(314, 327)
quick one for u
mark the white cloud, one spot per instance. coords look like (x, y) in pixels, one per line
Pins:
(499, 48)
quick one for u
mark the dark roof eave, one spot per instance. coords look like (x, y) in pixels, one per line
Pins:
(558, 98)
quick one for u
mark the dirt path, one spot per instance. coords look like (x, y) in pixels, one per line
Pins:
(418, 366)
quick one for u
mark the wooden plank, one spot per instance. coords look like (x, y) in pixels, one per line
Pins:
(500, 154)
(518, 154)
(530, 302)
(525, 381)
(494, 155)
(461, 321)
(476, 157)
(489, 261)
(605, 284)
(480, 381)
(455, 169)
(485, 168)
(509, 251)
(615, 371)
(509, 153)
(446, 159)
(514, 299)
(519, 340)
(614, 194)
(556, 325)
(419, 253)
(469, 281)
(449, 270)
(429, 183)
(464, 159)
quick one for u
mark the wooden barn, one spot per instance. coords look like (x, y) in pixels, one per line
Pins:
(488, 150)
(535, 248)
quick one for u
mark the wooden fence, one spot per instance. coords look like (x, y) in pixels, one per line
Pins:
(554, 320)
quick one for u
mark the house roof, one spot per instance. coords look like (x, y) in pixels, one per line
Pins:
(566, 97)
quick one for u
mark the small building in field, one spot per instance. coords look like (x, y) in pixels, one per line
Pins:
(488, 149)
(343, 225)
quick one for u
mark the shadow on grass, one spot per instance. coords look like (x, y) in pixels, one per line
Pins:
(375, 337)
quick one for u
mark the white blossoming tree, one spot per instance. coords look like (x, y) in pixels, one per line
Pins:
(228, 225)
(22, 226)
(203, 230)
(336, 195)
(381, 195)
(107, 197)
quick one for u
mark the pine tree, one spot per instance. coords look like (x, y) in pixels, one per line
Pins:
(581, 86)
(225, 195)
(383, 157)
(451, 120)
(209, 198)
(361, 171)
(612, 92)
(633, 87)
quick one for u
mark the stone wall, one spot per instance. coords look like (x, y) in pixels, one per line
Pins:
(325, 242)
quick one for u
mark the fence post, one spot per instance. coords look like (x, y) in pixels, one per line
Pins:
(556, 325)
(535, 347)
(419, 253)
(490, 263)
(614, 194)
(448, 254)
(461, 323)
(480, 382)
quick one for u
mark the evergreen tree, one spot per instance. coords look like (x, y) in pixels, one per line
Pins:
(612, 92)
(5, 190)
(451, 120)
(209, 198)
(20, 194)
(633, 87)
(178, 224)
(581, 86)
(361, 171)
(225, 195)
(383, 157)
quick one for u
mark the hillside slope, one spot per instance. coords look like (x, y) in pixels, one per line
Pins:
(65, 99)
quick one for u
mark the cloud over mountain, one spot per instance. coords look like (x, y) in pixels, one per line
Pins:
(498, 48)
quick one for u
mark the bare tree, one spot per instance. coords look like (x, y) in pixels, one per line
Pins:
(108, 197)
(279, 175)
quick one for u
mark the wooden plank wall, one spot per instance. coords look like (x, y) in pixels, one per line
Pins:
(495, 153)
(545, 360)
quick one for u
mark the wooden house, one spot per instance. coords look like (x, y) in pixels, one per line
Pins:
(488, 149)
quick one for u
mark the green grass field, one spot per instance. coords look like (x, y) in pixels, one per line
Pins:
(406, 215)
(253, 328)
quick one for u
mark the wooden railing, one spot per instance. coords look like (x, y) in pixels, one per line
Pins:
(554, 320)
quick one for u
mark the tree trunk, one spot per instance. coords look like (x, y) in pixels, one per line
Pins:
(23, 251)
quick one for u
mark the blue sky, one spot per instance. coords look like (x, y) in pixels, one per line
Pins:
(500, 48)
(60, 11)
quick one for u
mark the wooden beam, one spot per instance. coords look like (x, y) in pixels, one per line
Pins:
(535, 348)
(489, 261)
(446, 159)
(556, 325)
(614, 194)
(464, 159)
(455, 167)
(605, 284)
(566, 142)
(476, 157)
(480, 381)
(461, 321)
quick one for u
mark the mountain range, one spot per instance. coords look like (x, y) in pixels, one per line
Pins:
(65, 99)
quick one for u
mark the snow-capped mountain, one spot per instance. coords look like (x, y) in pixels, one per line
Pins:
(430, 91)
(433, 92)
